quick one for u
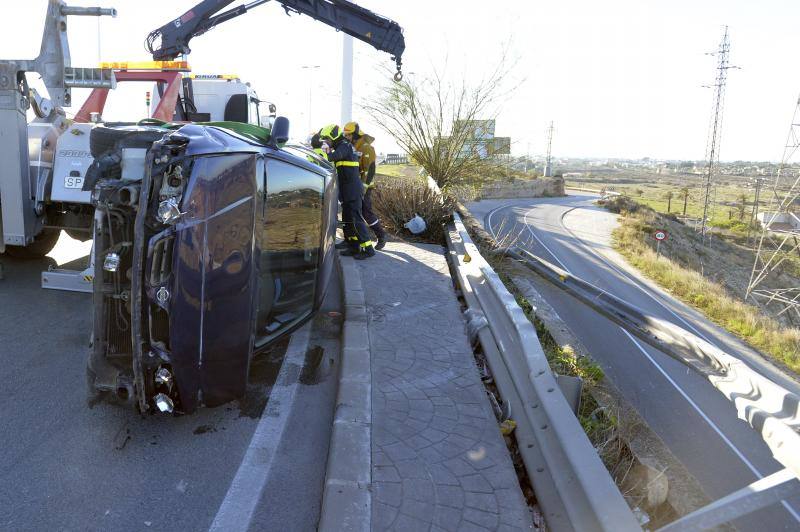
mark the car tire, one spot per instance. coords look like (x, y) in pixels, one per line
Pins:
(102, 139)
(40, 247)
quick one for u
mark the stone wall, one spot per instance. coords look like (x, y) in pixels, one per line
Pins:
(523, 188)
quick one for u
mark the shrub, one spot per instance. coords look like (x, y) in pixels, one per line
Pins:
(398, 201)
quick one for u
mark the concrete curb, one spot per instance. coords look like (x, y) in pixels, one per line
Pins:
(347, 496)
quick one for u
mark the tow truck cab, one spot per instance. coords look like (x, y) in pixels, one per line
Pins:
(217, 98)
(177, 95)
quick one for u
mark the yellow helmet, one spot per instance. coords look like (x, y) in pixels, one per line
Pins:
(351, 128)
(330, 132)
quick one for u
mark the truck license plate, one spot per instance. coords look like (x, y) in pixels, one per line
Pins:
(73, 182)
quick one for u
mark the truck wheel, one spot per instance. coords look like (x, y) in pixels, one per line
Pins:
(40, 247)
(83, 236)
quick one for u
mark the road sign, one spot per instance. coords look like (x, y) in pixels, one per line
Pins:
(660, 235)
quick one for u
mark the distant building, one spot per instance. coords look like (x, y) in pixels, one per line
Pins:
(481, 138)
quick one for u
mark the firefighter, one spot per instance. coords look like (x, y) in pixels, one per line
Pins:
(344, 158)
(363, 145)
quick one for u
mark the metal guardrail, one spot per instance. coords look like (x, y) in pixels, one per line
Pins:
(595, 191)
(768, 408)
(571, 483)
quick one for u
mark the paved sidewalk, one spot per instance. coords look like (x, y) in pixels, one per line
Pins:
(438, 459)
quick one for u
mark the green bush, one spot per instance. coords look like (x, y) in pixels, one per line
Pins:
(397, 202)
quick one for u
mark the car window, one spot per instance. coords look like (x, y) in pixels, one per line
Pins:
(288, 237)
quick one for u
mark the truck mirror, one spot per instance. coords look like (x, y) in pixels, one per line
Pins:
(266, 121)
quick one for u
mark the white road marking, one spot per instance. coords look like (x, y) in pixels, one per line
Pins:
(237, 509)
(688, 399)
(702, 414)
(528, 227)
(494, 235)
(628, 276)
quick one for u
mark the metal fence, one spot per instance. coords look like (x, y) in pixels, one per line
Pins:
(768, 408)
(395, 158)
(573, 487)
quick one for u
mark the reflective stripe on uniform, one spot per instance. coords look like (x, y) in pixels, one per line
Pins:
(375, 222)
(346, 163)
(368, 243)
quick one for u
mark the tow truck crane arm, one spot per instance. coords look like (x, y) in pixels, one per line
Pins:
(172, 39)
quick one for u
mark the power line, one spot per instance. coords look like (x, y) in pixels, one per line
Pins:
(715, 133)
(779, 241)
(548, 168)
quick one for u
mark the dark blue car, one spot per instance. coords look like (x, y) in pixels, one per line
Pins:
(224, 245)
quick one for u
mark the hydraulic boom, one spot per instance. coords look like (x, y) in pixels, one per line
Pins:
(172, 39)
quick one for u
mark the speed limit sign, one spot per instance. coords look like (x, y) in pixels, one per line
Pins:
(660, 235)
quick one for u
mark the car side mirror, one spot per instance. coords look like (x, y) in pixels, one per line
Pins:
(280, 131)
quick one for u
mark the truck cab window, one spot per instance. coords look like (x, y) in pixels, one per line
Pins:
(254, 119)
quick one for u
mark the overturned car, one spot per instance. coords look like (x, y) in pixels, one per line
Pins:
(210, 242)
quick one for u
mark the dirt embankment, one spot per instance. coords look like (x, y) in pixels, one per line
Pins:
(712, 277)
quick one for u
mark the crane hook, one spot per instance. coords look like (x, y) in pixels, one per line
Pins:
(398, 77)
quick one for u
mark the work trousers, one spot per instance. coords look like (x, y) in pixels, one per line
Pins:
(370, 217)
(355, 228)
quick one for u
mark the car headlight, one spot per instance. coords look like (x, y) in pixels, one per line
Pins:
(168, 211)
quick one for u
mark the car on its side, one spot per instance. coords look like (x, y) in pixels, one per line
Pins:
(211, 242)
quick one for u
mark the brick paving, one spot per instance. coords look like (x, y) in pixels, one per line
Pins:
(438, 459)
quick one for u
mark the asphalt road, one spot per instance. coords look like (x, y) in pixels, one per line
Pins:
(64, 466)
(695, 421)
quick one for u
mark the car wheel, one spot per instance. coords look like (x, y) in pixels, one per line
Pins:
(102, 139)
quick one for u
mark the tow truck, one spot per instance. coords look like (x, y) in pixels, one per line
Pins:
(212, 239)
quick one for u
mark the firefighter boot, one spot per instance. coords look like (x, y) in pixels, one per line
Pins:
(364, 252)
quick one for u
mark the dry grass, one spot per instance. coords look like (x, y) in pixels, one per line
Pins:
(746, 321)
(396, 202)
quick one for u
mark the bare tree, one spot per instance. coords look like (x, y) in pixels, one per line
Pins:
(441, 123)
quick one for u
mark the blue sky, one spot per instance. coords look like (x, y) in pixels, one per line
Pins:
(619, 78)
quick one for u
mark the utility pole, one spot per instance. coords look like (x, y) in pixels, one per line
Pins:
(779, 236)
(754, 213)
(527, 157)
(548, 168)
(311, 69)
(347, 79)
(716, 126)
